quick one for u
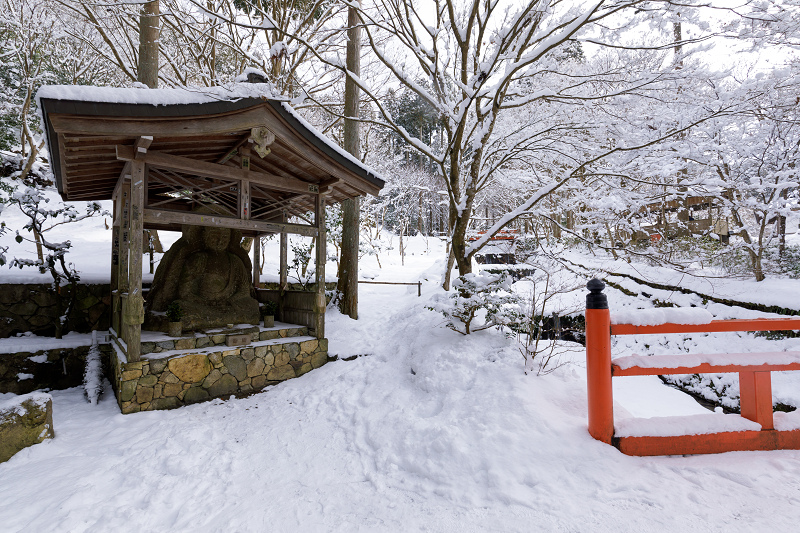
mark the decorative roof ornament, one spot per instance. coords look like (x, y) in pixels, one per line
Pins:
(262, 137)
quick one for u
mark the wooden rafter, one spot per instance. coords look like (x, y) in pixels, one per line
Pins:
(214, 170)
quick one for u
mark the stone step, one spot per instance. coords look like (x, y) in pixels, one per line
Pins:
(156, 341)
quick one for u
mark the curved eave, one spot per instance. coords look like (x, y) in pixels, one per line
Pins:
(194, 113)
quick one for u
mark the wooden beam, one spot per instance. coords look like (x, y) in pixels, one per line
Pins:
(141, 145)
(327, 185)
(312, 155)
(214, 170)
(156, 216)
(178, 126)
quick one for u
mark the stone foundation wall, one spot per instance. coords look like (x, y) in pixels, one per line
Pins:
(32, 307)
(25, 421)
(57, 368)
(201, 373)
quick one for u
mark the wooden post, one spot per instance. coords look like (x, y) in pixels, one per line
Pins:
(124, 253)
(755, 397)
(244, 200)
(115, 246)
(256, 260)
(598, 363)
(284, 278)
(321, 259)
(134, 313)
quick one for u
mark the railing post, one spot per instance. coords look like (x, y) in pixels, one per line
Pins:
(755, 398)
(598, 363)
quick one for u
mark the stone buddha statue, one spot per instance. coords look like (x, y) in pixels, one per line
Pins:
(209, 274)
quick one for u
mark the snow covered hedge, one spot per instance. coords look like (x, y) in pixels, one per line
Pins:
(480, 301)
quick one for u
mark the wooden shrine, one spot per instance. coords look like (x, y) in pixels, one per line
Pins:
(221, 160)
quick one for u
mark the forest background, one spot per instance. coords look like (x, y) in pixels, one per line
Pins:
(656, 129)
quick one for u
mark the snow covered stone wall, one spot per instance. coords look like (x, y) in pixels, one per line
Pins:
(179, 372)
(24, 421)
(23, 371)
(32, 307)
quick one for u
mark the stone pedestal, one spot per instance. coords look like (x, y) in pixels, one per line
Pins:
(173, 373)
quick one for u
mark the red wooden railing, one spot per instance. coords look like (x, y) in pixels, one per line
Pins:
(755, 383)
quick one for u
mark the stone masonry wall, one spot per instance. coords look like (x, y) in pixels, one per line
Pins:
(25, 421)
(32, 307)
(199, 373)
(56, 368)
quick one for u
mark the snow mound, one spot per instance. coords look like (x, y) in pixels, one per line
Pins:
(674, 426)
(15, 402)
(664, 315)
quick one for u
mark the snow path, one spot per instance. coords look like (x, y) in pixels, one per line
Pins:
(466, 442)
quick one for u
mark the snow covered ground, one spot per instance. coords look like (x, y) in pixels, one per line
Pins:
(428, 430)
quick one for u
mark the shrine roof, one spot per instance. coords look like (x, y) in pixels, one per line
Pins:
(93, 131)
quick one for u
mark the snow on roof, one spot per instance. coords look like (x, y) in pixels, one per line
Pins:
(141, 95)
(322, 137)
(144, 95)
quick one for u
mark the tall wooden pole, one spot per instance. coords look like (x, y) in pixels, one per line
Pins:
(348, 266)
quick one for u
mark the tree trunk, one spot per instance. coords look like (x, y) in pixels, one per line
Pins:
(348, 267)
(147, 73)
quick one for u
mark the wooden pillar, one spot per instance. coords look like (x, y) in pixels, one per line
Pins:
(319, 306)
(134, 313)
(124, 250)
(284, 268)
(115, 246)
(256, 260)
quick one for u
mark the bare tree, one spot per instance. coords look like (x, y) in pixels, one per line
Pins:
(479, 61)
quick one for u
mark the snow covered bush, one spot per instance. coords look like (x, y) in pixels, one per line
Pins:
(480, 301)
(299, 265)
(93, 373)
(51, 256)
(549, 320)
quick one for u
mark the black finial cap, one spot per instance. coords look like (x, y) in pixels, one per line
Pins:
(596, 299)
